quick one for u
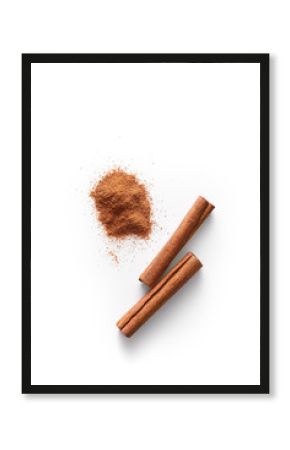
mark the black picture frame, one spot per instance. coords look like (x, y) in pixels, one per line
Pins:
(263, 60)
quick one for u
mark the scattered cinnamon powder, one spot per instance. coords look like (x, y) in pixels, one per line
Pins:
(123, 205)
(114, 257)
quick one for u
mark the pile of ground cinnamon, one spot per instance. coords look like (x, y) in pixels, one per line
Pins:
(123, 205)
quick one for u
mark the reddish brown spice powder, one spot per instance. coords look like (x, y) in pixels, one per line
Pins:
(123, 205)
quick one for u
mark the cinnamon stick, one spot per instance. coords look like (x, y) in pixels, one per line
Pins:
(157, 296)
(191, 222)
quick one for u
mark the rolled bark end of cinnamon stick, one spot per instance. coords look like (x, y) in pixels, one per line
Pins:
(195, 217)
(156, 297)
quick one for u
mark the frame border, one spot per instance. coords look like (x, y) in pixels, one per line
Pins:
(260, 58)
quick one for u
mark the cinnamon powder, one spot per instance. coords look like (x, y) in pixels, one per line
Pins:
(123, 205)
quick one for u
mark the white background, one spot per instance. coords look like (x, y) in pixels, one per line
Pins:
(206, 421)
(190, 129)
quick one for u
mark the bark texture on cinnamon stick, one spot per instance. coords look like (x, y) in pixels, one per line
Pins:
(199, 211)
(157, 296)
